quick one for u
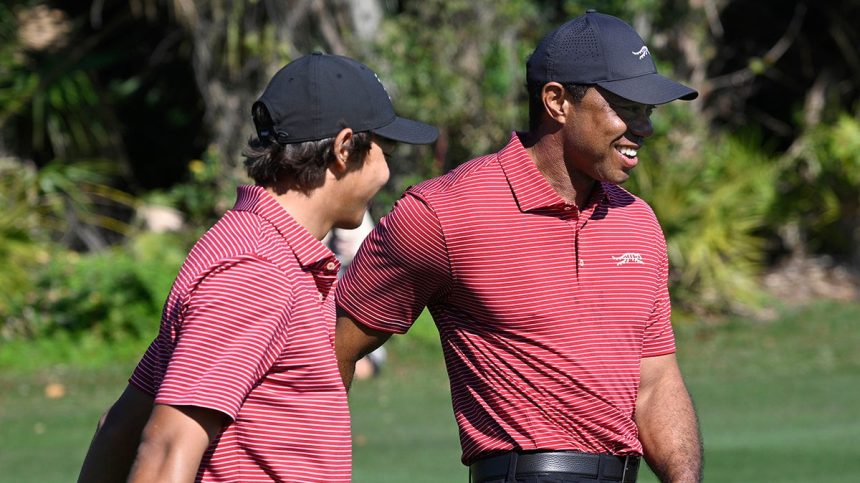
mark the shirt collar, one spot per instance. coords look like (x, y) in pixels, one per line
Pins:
(528, 185)
(310, 252)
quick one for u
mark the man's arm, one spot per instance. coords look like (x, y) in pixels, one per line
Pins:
(116, 439)
(352, 342)
(173, 443)
(667, 422)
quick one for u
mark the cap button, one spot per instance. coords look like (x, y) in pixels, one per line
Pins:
(591, 10)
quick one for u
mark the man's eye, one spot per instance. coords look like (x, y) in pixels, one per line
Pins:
(634, 109)
(619, 108)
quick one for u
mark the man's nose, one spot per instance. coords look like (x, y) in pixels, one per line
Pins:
(640, 125)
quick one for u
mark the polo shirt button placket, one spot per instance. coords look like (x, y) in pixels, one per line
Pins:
(569, 213)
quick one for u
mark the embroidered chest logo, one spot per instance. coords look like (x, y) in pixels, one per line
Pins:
(642, 52)
(628, 258)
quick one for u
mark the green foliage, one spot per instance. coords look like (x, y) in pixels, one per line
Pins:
(53, 118)
(711, 199)
(49, 105)
(83, 350)
(465, 75)
(74, 193)
(621, 8)
(41, 209)
(112, 295)
(15, 79)
(820, 188)
(87, 297)
(19, 232)
(205, 196)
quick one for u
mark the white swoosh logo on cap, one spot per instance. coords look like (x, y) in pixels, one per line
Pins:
(642, 52)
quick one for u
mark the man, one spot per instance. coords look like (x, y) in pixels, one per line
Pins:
(547, 281)
(241, 383)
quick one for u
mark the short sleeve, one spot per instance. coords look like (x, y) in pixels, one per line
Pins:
(399, 269)
(143, 376)
(659, 338)
(232, 332)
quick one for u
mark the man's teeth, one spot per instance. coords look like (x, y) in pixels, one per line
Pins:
(629, 152)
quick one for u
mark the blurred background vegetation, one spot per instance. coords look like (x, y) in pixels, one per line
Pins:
(123, 121)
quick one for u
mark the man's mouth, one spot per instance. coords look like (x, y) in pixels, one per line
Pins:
(628, 155)
(628, 152)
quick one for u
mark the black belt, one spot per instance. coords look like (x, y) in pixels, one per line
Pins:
(620, 468)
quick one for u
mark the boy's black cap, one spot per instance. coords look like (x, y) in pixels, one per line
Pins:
(601, 49)
(315, 96)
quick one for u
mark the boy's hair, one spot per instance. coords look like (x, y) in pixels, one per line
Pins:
(295, 166)
(576, 91)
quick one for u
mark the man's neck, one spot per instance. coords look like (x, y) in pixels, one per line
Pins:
(548, 155)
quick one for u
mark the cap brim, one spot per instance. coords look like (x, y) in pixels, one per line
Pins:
(408, 131)
(650, 89)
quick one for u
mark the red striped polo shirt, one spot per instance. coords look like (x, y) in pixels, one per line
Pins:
(248, 330)
(544, 311)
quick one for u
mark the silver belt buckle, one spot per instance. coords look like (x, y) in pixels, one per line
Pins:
(624, 472)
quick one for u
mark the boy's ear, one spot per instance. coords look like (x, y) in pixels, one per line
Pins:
(342, 147)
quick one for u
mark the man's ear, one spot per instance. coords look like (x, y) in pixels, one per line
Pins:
(554, 96)
(341, 148)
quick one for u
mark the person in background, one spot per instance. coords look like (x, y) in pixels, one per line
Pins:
(546, 279)
(241, 382)
(345, 243)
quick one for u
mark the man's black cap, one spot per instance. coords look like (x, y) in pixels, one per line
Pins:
(601, 49)
(317, 95)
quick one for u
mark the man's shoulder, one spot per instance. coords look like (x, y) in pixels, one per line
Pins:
(626, 207)
(479, 173)
(621, 198)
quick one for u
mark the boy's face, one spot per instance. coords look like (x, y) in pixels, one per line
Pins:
(361, 184)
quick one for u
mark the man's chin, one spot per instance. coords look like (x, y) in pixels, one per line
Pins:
(620, 179)
(623, 176)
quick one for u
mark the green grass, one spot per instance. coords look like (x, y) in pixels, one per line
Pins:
(403, 424)
(778, 401)
(44, 439)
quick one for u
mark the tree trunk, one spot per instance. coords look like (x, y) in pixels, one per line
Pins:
(238, 46)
